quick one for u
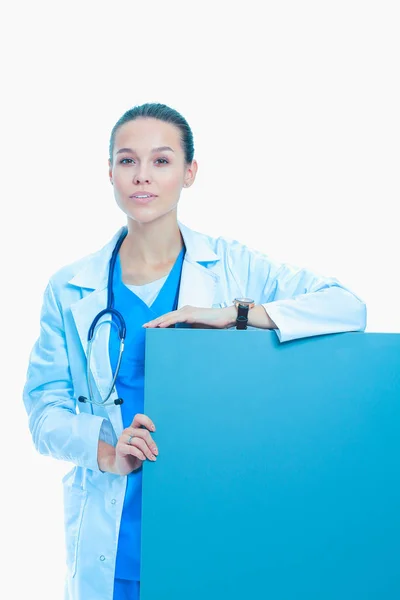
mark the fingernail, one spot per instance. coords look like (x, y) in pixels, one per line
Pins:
(154, 450)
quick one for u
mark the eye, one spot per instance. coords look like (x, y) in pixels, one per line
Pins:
(130, 160)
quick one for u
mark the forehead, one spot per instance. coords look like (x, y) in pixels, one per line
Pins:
(144, 134)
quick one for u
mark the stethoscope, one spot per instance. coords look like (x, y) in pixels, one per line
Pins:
(121, 327)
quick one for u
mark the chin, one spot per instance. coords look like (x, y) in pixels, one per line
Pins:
(148, 214)
(143, 216)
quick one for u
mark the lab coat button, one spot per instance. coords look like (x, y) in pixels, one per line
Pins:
(102, 557)
(113, 501)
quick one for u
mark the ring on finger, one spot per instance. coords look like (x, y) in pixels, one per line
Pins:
(130, 439)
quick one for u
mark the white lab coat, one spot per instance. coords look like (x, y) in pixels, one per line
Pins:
(214, 272)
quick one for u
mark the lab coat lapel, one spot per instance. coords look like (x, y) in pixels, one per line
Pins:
(94, 276)
(83, 312)
(197, 285)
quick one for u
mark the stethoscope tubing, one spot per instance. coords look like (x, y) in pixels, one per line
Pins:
(95, 326)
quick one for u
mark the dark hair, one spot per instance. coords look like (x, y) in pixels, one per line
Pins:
(163, 113)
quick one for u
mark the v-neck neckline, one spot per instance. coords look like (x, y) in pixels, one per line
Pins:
(159, 298)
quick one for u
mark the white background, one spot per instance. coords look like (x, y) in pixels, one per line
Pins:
(294, 108)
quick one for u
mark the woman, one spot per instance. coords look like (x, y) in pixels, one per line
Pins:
(164, 274)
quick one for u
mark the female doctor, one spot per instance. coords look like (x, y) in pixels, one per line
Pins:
(164, 274)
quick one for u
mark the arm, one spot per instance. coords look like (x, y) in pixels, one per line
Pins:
(106, 457)
(297, 303)
(57, 430)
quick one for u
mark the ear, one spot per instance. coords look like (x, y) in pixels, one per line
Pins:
(110, 171)
(190, 174)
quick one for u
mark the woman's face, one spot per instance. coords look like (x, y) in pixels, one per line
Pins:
(148, 159)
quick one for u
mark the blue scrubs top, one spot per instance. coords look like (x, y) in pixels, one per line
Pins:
(130, 387)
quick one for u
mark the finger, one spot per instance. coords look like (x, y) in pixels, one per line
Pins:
(156, 322)
(153, 323)
(185, 314)
(137, 442)
(173, 318)
(133, 451)
(125, 449)
(167, 323)
(141, 433)
(143, 421)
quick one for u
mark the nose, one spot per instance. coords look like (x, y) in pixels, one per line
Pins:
(142, 175)
(139, 180)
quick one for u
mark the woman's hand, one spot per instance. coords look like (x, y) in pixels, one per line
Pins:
(218, 318)
(130, 455)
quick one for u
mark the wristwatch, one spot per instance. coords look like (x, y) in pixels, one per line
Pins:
(243, 306)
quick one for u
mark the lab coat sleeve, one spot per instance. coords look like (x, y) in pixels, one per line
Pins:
(302, 303)
(57, 430)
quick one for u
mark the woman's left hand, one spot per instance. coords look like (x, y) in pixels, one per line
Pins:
(218, 318)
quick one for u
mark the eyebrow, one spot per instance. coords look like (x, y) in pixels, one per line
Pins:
(160, 149)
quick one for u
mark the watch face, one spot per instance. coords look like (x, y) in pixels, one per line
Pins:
(244, 300)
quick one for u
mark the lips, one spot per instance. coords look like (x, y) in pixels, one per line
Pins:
(146, 199)
(138, 194)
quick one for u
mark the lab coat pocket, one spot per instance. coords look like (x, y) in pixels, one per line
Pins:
(74, 505)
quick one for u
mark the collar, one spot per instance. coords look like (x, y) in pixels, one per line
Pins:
(94, 273)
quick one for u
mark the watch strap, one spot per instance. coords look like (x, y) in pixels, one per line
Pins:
(242, 316)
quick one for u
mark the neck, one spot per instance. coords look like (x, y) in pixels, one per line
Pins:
(152, 244)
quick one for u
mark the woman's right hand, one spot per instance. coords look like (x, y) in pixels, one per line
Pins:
(130, 456)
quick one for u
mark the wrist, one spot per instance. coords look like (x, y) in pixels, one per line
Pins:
(106, 456)
(259, 318)
(231, 315)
